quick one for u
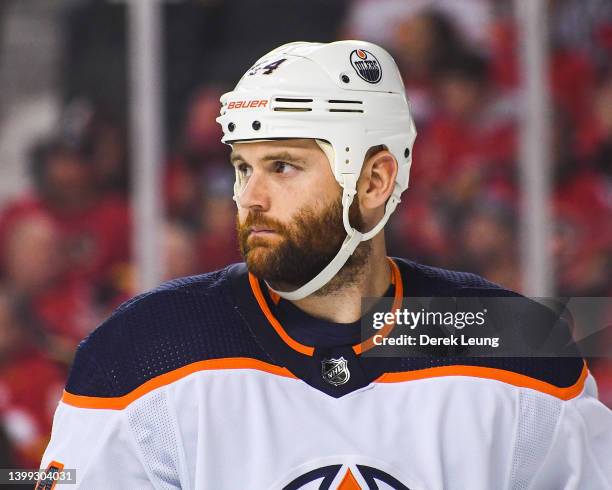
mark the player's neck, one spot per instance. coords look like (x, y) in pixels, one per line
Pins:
(343, 305)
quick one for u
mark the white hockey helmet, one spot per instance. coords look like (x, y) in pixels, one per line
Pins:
(349, 97)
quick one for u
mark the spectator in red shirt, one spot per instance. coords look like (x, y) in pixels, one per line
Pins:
(93, 227)
(421, 42)
(472, 137)
(583, 201)
(30, 386)
(61, 304)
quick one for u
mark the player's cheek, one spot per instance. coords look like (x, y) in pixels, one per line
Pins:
(241, 215)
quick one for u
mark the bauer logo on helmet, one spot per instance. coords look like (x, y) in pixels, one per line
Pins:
(247, 104)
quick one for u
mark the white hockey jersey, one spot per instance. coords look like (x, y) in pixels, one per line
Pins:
(210, 382)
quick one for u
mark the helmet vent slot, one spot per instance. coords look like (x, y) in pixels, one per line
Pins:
(292, 109)
(345, 102)
(292, 104)
(346, 110)
(288, 99)
(341, 105)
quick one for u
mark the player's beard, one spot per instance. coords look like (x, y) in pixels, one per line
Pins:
(303, 248)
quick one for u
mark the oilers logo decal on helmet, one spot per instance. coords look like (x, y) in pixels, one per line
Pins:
(366, 65)
(310, 95)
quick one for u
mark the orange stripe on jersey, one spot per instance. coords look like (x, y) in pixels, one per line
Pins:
(508, 377)
(519, 380)
(396, 279)
(120, 402)
(303, 349)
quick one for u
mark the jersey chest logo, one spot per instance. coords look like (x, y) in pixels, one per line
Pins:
(341, 477)
(335, 371)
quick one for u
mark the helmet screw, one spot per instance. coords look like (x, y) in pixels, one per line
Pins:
(256, 125)
(345, 78)
(407, 152)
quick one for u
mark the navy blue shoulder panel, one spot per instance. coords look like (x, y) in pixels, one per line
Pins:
(427, 281)
(203, 317)
(536, 324)
(180, 322)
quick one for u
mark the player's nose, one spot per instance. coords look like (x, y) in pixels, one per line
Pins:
(255, 193)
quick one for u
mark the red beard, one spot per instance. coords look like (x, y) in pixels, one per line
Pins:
(299, 251)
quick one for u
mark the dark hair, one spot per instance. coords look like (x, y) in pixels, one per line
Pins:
(464, 64)
(40, 153)
(446, 39)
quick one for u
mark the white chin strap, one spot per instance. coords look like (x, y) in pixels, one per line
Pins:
(352, 240)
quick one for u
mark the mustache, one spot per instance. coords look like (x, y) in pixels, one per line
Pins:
(259, 220)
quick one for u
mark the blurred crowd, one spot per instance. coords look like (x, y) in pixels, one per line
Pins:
(65, 246)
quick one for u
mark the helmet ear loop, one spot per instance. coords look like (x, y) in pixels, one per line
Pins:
(349, 190)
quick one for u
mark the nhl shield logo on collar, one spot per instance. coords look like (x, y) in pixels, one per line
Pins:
(335, 371)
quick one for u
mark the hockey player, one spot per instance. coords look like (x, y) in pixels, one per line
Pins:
(256, 376)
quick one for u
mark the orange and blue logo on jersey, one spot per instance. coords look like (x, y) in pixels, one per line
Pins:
(344, 477)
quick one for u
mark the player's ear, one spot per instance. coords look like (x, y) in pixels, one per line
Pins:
(377, 178)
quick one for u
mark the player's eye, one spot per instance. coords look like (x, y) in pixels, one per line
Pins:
(281, 167)
(244, 170)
